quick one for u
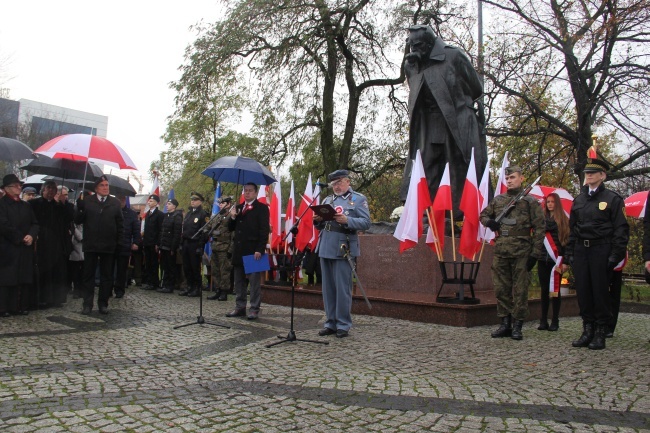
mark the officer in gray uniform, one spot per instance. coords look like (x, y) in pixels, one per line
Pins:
(519, 244)
(220, 265)
(339, 237)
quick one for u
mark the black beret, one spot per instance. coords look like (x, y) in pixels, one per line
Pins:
(338, 174)
(101, 179)
(173, 201)
(155, 197)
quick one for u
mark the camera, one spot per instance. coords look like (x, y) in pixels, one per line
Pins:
(224, 200)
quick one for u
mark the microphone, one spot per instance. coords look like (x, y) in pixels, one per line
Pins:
(322, 185)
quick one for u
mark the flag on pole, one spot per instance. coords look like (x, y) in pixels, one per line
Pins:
(261, 194)
(409, 227)
(484, 233)
(303, 237)
(170, 196)
(469, 204)
(502, 186)
(275, 213)
(155, 189)
(442, 203)
(215, 202)
(289, 217)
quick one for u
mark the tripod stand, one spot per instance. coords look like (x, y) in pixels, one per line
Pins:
(296, 260)
(200, 320)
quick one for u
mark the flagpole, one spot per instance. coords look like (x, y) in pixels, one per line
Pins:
(432, 223)
(453, 237)
(480, 256)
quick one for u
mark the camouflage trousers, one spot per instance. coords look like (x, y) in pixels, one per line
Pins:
(511, 281)
(220, 267)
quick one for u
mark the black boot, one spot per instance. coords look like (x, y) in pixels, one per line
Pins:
(505, 329)
(516, 330)
(215, 296)
(587, 335)
(598, 342)
(543, 324)
(555, 325)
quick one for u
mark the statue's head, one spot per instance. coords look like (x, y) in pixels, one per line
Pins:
(420, 40)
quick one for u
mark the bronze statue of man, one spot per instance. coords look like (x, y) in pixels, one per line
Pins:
(444, 123)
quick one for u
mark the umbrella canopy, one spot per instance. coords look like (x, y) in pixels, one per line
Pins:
(240, 170)
(63, 168)
(635, 204)
(14, 150)
(541, 192)
(85, 147)
(117, 186)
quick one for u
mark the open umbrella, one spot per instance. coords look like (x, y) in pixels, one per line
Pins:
(63, 168)
(541, 192)
(239, 170)
(85, 147)
(116, 184)
(14, 150)
(635, 204)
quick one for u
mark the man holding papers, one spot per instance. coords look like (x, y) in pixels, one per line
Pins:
(250, 222)
(338, 238)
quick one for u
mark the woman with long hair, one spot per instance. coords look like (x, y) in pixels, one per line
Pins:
(557, 224)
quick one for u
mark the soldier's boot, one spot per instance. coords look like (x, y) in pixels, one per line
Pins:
(586, 337)
(598, 342)
(516, 330)
(505, 330)
(216, 295)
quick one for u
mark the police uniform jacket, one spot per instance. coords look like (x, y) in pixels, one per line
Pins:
(170, 231)
(194, 220)
(103, 224)
(152, 226)
(599, 219)
(17, 220)
(522, 230)
(333, 235)
(251, 231)
(131, 231)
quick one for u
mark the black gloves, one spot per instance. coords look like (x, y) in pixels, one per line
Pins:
(530, 263)
(493, 225)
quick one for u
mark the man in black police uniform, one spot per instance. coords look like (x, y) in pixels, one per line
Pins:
(597, 242)
(194, 220)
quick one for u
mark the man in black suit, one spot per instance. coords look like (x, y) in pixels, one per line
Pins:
(103, 223)
(153, 220)
(250, 222)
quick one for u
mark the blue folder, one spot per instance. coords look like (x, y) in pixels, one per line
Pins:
(251, 265)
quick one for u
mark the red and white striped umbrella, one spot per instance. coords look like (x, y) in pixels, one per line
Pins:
(541, 192)
(635, 204)
(85, 147)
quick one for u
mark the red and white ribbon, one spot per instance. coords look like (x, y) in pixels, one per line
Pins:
(556, 276)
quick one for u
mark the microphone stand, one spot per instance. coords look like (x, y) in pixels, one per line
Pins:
(200, 320)
(296, 259)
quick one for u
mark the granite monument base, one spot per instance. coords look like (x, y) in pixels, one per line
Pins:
(412, 286)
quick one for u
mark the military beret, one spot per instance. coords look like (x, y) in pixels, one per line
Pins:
(173, 201)
(101, 179)
(196, 196)
(154, 197)
(338, 174)
(595, 165)
(513, 169)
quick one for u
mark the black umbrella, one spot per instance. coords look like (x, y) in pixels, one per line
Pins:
(117, 185)
(14, 150)
(63, 168)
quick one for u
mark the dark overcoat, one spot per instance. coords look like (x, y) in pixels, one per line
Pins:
(251, 231)
(54, 229)
(103, 224)
(171, 230)
(17, 220)
(152, 226)
(131, 234)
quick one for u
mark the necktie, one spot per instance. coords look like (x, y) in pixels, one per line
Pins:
(102, 199)
(591, 193)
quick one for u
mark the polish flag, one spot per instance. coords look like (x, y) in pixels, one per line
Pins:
(303, 238)
(241, 197)
(484, 233)
(409, 227)
(290, 216)
(314, 234)
(442, 203)
(502, 186)
(275, 213)
(261, 194)
(470, 205)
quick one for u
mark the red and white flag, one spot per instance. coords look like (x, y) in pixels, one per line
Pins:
(303, 238)
(409, 227)
(290, 217)
(441, 203)
(484, 233)
(261, 194)
(275, 213)
(502, 186)
(314, 232)
(469, 204)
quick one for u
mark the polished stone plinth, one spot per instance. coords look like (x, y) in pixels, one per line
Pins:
(410, 286)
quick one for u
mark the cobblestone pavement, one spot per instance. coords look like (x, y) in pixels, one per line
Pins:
(130, 371)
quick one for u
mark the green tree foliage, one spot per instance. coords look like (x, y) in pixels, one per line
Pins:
(591, 55)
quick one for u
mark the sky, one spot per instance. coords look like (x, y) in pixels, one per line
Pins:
(112, 58)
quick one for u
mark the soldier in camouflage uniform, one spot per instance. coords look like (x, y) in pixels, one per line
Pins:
(519, 243)
(219, 260)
